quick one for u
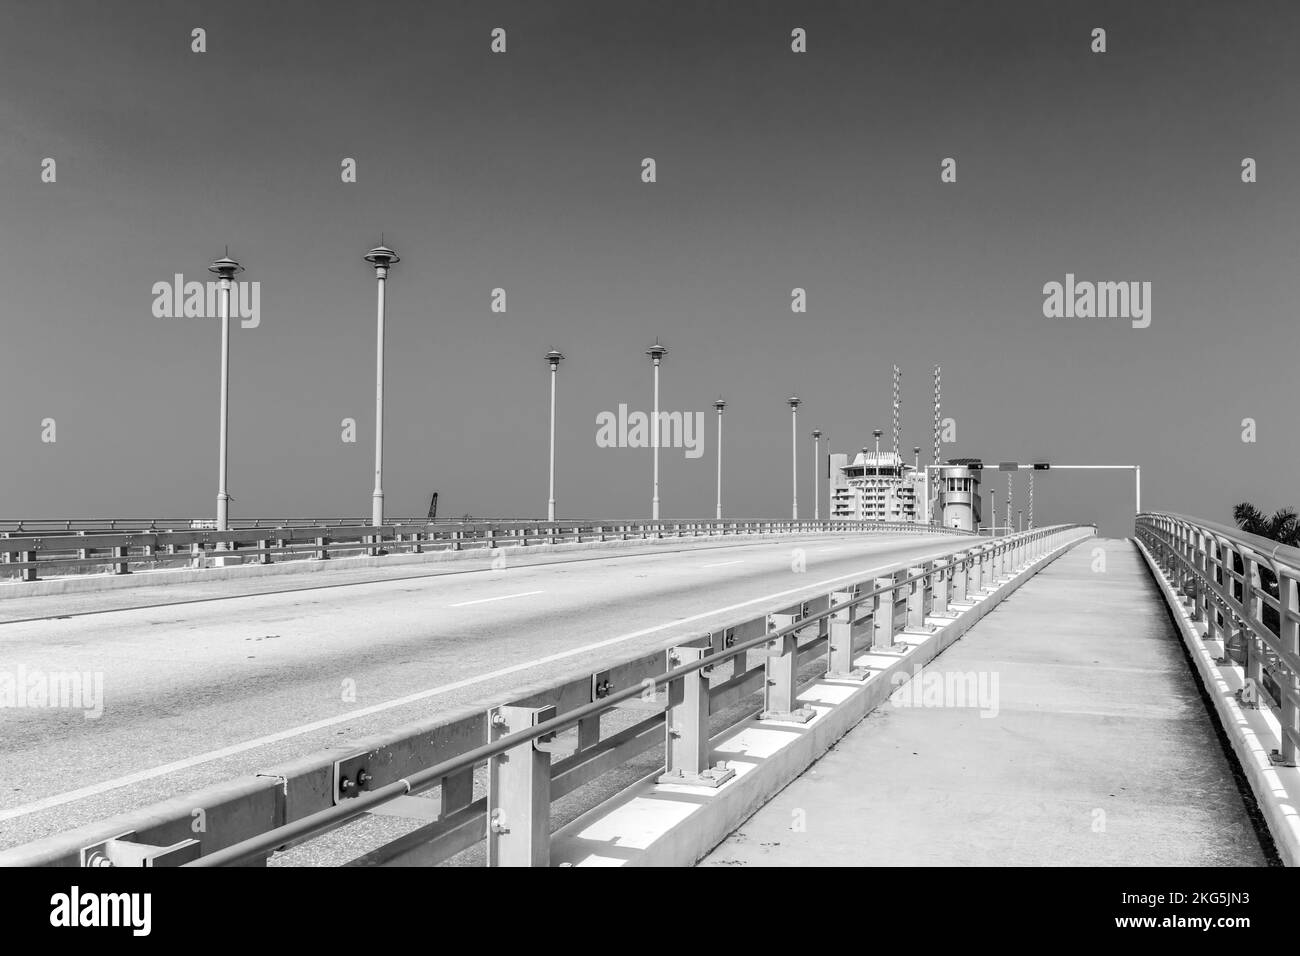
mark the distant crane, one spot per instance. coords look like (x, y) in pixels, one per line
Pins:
(433, 506)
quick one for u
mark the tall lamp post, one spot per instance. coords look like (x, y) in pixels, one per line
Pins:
(794, 402)
(719, 405)
(555, 357)
(817, 474)
(382, 258)
(226, 268)
(656, 353)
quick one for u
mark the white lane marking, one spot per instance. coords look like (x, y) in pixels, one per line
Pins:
(499, 597)
(722, 564)
(188, 762)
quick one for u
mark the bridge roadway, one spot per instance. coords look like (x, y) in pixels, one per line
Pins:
(205, 682)
(1096, 748)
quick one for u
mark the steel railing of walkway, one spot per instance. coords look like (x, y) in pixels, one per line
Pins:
(1244, 589)
(667, 695)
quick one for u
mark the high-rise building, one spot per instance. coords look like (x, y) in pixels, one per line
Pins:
(875, 486)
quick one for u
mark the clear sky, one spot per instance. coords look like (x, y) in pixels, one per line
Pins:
(523, 171)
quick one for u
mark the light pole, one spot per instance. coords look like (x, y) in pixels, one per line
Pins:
(656, 353)
(555, 357)
(226, 268)
(719, 405)
(382, 258)
(817, 474)
(795, 402)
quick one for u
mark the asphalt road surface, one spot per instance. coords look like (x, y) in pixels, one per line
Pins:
(206, 682)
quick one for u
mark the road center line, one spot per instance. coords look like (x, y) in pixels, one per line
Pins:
(499, 597)
(723, 564)
(219, 754)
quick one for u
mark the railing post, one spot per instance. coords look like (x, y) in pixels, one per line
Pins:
(686, 724)
(780, 673)
(974, 571)
(519, 791)
(1289, 687)
(941, 587)
(119, 560)
(839, 642)
(959, 570)
(322, 553)
(919, 599)
(264, 554)
(28, 574)
(882, 614)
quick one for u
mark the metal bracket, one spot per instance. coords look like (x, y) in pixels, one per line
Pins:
(124, 850)
(352, 775)
(715, 776)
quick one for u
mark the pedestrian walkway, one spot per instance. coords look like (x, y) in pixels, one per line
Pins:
(1065, 728)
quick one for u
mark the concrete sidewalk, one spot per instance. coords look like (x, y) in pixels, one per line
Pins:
(1067, 729)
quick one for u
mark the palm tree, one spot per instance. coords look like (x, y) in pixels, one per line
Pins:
(1283, 526)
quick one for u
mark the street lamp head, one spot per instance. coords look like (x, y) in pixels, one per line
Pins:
(225, 267)
(656, 351)
(876, 433)
(719, 404)
(795, 401)
(381, 257)
(817, 433)
(555, 357)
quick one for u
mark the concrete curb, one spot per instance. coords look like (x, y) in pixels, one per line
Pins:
(652, 824)
(79, 584)
(1253, 733)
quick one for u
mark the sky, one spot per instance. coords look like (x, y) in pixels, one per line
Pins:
(522, 171)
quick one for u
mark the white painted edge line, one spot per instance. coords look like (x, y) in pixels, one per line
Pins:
(186, 763)
(1253, 733)
(723, 564)
(499, 597)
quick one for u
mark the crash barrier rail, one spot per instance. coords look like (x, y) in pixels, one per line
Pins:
(666, 696)
(25, 555)
(1244, 589)
(96, 525)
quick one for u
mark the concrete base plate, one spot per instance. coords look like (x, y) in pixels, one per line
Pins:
(714, 777)
(800, 716)
(857, 674)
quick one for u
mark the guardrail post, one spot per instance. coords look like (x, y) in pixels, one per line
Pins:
(919, 599)
(28, 574)
(882, 615)
(322, 553)
(960, 572)
(264, 554)
(780, 673)
(519, 791)
(941, 587)
(686, 724)
(839, 642)
(119, 560)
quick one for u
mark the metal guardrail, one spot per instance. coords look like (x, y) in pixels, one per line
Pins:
(1244, 589)
(672, 693)
(25, 554)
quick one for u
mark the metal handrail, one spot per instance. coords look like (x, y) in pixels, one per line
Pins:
(21, 551)
(1199, 558)
(331, 817)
